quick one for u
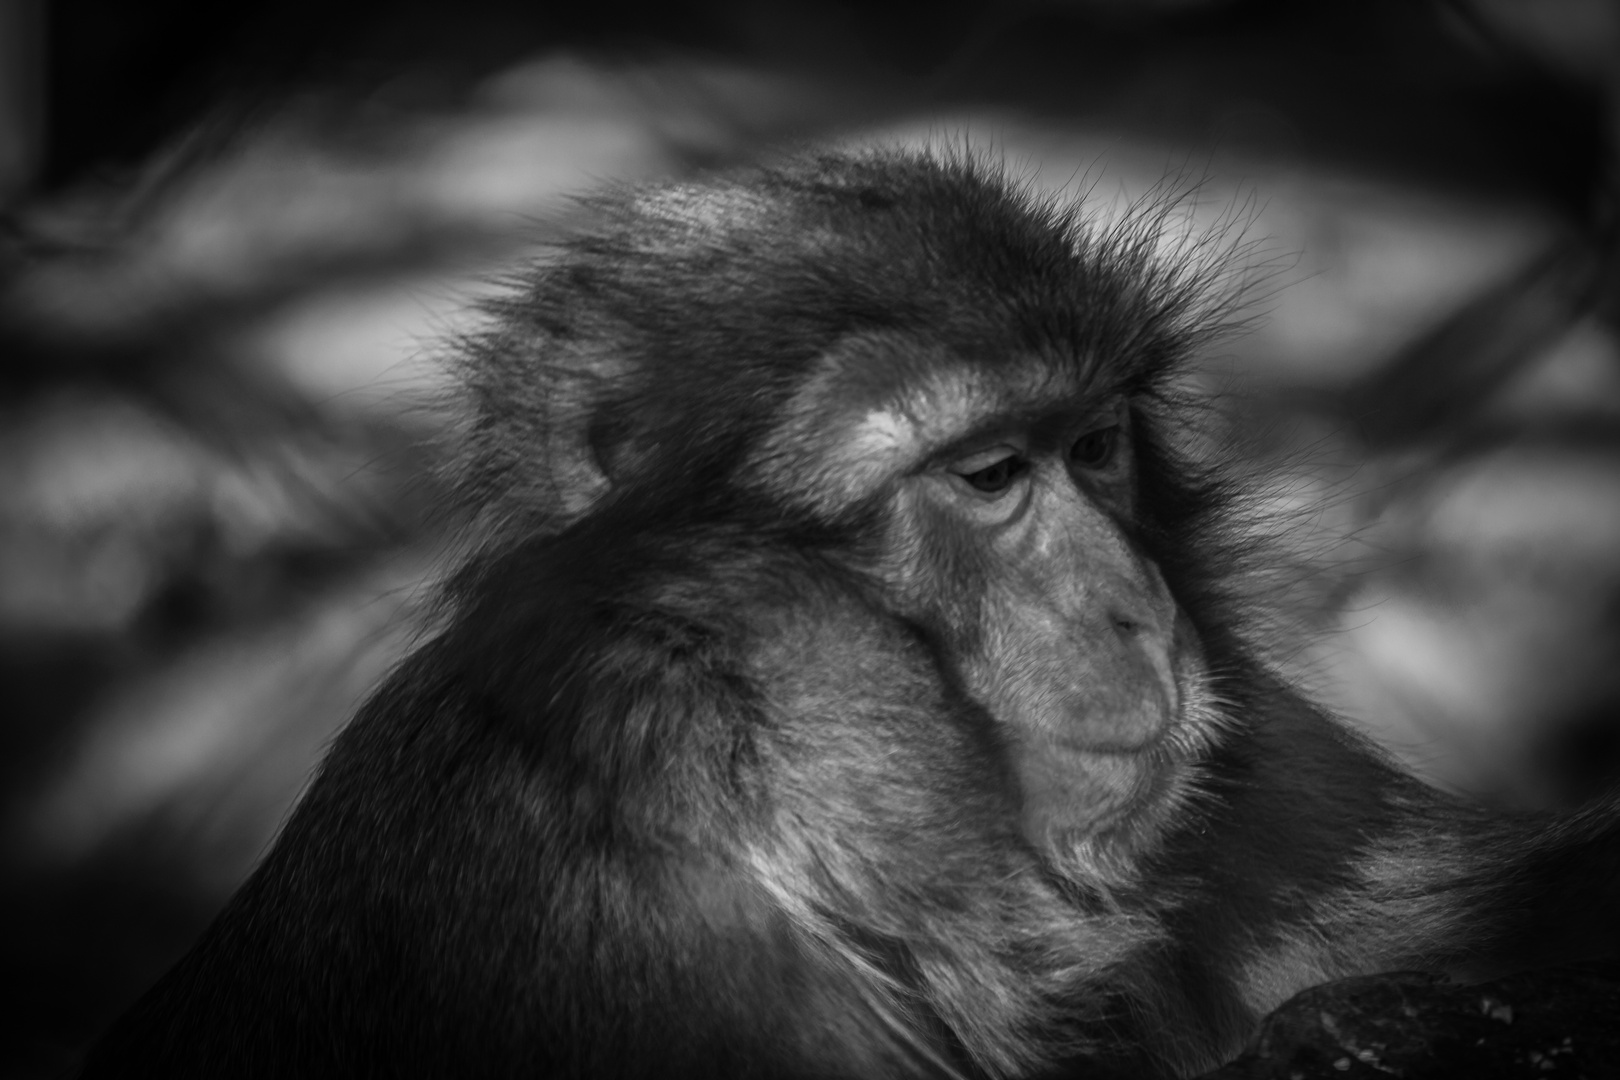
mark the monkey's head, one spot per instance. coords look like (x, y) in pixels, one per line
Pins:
(963, 395)
(1003, 515)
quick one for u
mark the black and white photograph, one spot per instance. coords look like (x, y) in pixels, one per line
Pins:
(810, 539)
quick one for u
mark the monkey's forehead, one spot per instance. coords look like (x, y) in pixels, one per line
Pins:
(881, 405)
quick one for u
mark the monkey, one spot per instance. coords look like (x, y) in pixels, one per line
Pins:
(848, 671)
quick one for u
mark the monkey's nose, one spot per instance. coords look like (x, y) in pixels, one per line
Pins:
(1153, 641)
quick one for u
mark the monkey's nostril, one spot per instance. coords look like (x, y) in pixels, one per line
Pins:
(1125, 625)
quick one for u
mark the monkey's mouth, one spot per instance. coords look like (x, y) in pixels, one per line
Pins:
(1094, 816)
(1079, 791)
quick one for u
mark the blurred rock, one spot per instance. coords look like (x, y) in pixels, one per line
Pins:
(1543, 1024)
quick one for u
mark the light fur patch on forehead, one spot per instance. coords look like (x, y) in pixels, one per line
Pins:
(880, 405)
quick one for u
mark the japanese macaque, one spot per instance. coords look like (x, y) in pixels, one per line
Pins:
(848, 674)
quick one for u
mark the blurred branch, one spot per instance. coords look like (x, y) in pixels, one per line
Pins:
(1434, 385)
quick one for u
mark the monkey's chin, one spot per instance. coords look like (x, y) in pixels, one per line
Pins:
(1092, 815)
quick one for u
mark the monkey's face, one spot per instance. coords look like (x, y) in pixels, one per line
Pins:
(1015, 550)
(1009, 498)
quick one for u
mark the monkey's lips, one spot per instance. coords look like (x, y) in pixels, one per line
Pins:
(1069, 790)
(1080, 779)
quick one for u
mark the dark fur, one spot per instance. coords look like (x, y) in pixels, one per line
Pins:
(674, 793)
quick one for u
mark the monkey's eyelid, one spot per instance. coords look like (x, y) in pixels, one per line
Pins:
(982, 460)
(996, 478)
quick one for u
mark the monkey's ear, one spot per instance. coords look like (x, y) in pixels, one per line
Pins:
(534, 435)
(575, 452)
(589, 435)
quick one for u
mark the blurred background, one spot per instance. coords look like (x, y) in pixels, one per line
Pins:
(234, 238)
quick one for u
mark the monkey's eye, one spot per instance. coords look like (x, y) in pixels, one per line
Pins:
(996, 477)
(1095, 449)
